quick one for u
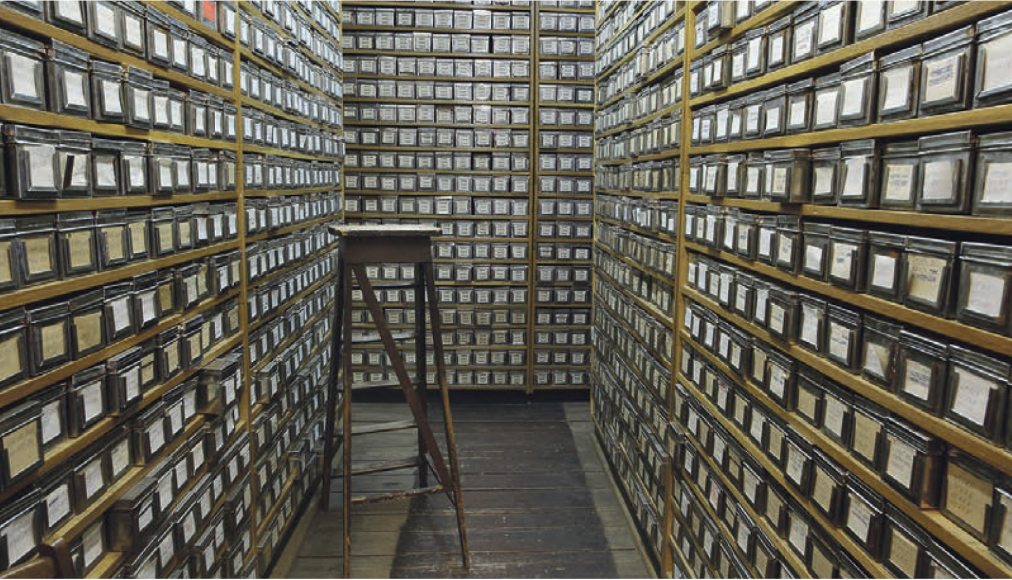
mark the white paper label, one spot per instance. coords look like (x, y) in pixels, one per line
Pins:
(997, 56)
(986, 294)
(20, 536)
(853, 96)
(997, 180)
(870, 14)
(111, 97)
(900, 465)
(972, 393)
(797, 113)
(939, 179)
(825, 107)
(884, 271)
(897, 87)
(57, 504)
(839, 341)
(854, 182)
(917, 380)
(52, 424)
(899, 182)
(823, 180)
(40, 166)
(22, 75)
(91, 400)
(942, 76)
(843, 259)
(813, 258)
(859, 518)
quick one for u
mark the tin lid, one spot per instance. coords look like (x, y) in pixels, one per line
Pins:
(68, 55)
(863, 64)
(944, 248)
(75, 219)
(26, 134)
(996, 369)
(900, 149)
(992, 254)
(87, 300)
(900, 57)
(829, 80)
(947, 141)
(955, 39)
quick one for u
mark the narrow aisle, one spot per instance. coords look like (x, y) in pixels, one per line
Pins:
(538, 498)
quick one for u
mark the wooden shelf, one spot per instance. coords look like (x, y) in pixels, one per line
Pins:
(949, 432)
(433, 5)
(287, 192)
(450, 102)
(769, 14)
(15, 114)
(931, 520)
(876, 569)
(650, 77)
(920, 29)
(413, 54)
(45, 290)
(37, 28)
(406, 149)
(407, 77)
(30, 207)
(943, 326)
(958, 223)
(987, 117)
(361, 123)
(264, 235)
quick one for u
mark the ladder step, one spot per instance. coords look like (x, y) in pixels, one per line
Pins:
(373, 337)
(381, 466)
(395, 495)
(389, 285)
(366, 385)
(382, 427)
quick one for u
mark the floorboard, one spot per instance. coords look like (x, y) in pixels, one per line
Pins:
(539, 503)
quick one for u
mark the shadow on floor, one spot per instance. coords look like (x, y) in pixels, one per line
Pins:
(538, 500)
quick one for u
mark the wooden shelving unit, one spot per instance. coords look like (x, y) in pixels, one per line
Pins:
(530, 369)
(241, 417)
(932, 521)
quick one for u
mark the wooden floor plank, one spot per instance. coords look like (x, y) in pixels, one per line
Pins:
(539, 502)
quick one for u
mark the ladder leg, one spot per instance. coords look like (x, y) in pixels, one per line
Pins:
(329, 443)
(421, 388)
(397, 361)
(346, 414)
(451, 438)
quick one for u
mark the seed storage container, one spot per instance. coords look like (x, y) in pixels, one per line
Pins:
(863, 515)
(977, 387)
(86, 399)
(788, 249)
(843, 341)
(33, 169)
(859, 174)
(87, 328)
(805, 33)
(69, 80)
(778, 43)
(968, 493)
(826, 169)
(922, 371)
(787, 175)
(946, 73)
(857, 90)
(945, 172)
(901, 170)
(75, 234)
(800, 98)
(985, 287)
(848, 249)
(912, 462)
(899, 84)
(881, 345)
(826, 104)
(24, 69)
(928, 273)
(993, 79)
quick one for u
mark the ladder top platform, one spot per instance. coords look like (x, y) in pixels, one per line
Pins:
(377, 230)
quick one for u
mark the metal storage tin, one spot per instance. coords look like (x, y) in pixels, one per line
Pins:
(86, 399)
(9, 271)
(800, 99)
(19, 530)
(137, 223)
(69, 15)
(123, 378)
(945, 172)
(20, 441)
(968, 493)
(863, 515)
(928, 274)
(977, 390)
(945, 72)
(912, 462)
(901, 170)
(828, 485)
(788, 175)
(24, 69)
(32, 168)
(922, 371)
(904, 544)
(992, 80)
(138, 88)
(859, 168)
(69, 80)
(87, 327)
(985, 287)
(56, 500)
(108, 103)
(899, 84)
(778, 43)
(826, 103)
(881, 340)
(1001, 532)
(76, 239)
(857, 90)
(49, 336)
(848, 249)
(118, 312)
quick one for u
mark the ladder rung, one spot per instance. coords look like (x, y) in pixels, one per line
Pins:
(365, 385)
(389, 285)
(395, 495)
(371, 337)
(381, 466)
(382, 427)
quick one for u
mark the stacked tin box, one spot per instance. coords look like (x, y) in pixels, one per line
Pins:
(440, 131)
(125, 386)
(291, 73)
(563, 194)
(635, 251)
(844, 362)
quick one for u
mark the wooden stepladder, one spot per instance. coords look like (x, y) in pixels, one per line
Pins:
(363, 245)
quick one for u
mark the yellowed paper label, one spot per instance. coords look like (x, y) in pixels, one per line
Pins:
(22, 446)
(88, 330)
(53, 341)
(37, 250)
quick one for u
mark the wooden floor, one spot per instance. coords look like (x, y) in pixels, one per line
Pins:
(538, 498)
